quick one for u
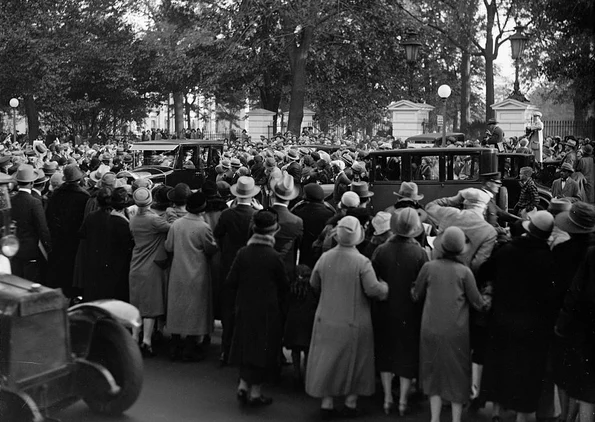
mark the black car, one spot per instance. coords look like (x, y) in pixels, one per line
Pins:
(172, 161)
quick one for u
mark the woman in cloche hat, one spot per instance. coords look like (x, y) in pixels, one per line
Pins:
(397, 323)
(341, 356)
(148, 276)
(447, 288)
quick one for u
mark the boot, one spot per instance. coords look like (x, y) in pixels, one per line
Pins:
(175, 347)
(192, 351)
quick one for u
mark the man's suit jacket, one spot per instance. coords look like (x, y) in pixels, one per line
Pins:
(32, 226)
(571, 190)
(288, 238)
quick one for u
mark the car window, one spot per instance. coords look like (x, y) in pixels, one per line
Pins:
(388, 168)
(462, 167)
(425, 167)
(189, 157)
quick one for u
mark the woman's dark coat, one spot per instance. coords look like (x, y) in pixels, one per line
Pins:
(259, 276)
(397, 321)
(314, 214)
(521, 323)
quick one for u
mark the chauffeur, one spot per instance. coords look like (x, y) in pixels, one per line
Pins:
(491, 183)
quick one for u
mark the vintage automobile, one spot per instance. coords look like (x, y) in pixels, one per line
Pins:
(442, 172)
(430, 140)
(173, 161)
(52, 356)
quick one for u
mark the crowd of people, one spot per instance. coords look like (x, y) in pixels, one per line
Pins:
(442, 296)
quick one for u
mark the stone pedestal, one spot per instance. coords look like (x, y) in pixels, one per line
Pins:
(513, 116)
(260, 120)
(408, 118)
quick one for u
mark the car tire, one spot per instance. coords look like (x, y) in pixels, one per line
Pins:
(503, 198)
(113, 347)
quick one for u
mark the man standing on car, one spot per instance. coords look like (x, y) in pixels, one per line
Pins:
(495, 134)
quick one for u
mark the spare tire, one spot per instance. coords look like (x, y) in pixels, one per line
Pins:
(113, 347)
(503, 198)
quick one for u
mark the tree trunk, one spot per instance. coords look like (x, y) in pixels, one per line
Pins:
(465, 105)
(489, 57)
(179, 113)
(298, 56)
(32, 118)
(187, 106)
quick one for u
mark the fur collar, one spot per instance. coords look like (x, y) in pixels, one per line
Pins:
(262, 239)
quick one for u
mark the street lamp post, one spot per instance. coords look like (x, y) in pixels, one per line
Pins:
(411, 45)
(14, 103)
(517, 45)
(444, 92)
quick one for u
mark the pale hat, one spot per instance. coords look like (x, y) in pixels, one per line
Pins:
(285, 188)
(406, 222)
(558, 205)
(142, 197)
(349, 200)
(539, 225)
(26, 174)
(381, 222)
(349, 231)
(98, 174)
(453, 240)
(567, 167)
(475, 198)
(245, 188)
(409, 190)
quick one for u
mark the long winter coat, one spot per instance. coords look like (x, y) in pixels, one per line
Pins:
(397, 321)
(106, 245)
(575, 328)
(521, 323)
(189, 310)
(215, 206)
(259, 276)
(147, 279)
(448, 287)
(341, 357)
(65, 213)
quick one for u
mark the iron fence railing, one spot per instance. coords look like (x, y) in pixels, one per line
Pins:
(562, 128)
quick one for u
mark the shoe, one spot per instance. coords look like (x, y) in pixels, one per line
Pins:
(242, 396)
(388, 407)
(175, 348)
(328, 414)
(350, 412)
(146, 350)
(496, 419)
(259, 401)
(403, 409)
(192, 351)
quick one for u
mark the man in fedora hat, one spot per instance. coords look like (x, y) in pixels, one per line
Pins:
(289, 236)
(232, 233)
(569, 153)
(39, 187)
(65, 213)
(32, 228)
(565, 186)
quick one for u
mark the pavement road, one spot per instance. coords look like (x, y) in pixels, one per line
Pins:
(202, 391)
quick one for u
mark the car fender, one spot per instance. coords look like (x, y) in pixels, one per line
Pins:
(84, 316)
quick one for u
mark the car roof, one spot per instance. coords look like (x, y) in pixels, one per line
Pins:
(179, 142)
(433, 151)
(433, 136)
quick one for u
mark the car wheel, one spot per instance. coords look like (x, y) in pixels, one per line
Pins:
(113, 347)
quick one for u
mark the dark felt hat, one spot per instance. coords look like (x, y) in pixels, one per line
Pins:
(196, 203)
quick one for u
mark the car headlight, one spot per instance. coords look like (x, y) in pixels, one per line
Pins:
(9, 245)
